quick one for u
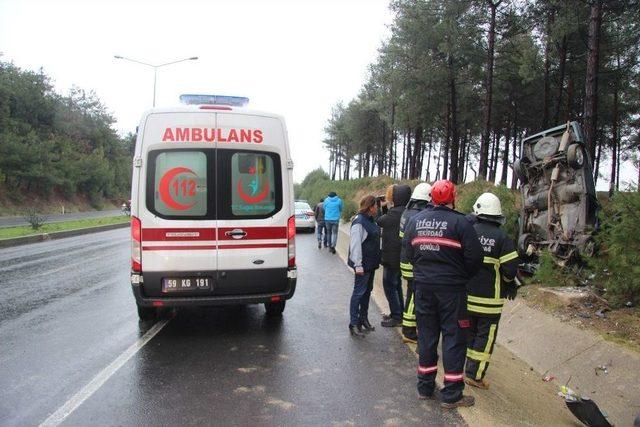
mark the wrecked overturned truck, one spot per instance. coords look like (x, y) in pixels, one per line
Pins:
(559, 205)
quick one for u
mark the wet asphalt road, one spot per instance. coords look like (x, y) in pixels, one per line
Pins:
(66, 313)
(15, 221)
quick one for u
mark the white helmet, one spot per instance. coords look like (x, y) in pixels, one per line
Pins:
(488, 204)
(422, 192)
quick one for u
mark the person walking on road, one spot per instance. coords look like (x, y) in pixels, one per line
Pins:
(420, 200)
(321, 231)
(364, 258)
(332, 211)
(487, 290)
(444, 250)
(396, 199)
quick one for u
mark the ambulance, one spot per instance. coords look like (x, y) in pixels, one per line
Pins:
(212, 216)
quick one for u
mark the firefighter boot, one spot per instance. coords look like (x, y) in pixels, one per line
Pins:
(409, 335)
(482, 384)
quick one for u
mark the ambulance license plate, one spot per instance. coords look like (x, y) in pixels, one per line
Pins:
(178, 284)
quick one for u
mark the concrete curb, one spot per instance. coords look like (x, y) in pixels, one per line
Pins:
(517, 396)
(17, 241)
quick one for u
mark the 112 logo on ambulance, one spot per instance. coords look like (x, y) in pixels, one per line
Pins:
(177, 188)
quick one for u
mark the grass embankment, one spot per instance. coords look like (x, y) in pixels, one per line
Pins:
(12, 232)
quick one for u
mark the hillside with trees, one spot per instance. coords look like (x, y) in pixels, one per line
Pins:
(459, 83)
(56, 146)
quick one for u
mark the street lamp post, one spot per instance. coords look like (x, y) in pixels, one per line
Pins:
(155, 69)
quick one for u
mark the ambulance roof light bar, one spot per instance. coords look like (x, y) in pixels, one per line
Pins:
(197, 99)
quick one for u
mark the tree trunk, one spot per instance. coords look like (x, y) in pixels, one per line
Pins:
(570, 93)
(562, 53)
(429, 159)
(591, 89)
(462, 157)
(382, 155)
(514, 178)
(394, 146)
(596, 169)
(446, 143)
(494, 156)
(614, 138)
(417, 151)
(404, 155)
(547, 61)
(438, 164)
(455, 141)
(505, 154)
(484, 144)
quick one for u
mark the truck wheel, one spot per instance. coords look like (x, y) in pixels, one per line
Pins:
(274, 308)
(575, 156)
(146, 313)
(523, 245)
(519, 171)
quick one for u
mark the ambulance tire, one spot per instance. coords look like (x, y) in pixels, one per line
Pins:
(274, 308)
(146, 313)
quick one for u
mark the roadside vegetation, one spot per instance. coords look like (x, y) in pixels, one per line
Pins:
(459, 83)
(57, 147)
(27, 230)
(317, 185)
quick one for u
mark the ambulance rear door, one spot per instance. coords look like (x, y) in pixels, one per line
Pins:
(177, 200)
(253, 199)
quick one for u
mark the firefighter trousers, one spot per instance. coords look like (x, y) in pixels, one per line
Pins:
(482, 338)
(409, 314)
(436, 313)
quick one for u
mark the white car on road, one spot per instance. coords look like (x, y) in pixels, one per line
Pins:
(305, 219)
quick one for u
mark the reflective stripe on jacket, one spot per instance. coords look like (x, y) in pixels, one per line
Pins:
(443, 248)
(500, 264)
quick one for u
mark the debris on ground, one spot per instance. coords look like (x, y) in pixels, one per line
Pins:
(584, 408)
(601, 313)
(548, 378)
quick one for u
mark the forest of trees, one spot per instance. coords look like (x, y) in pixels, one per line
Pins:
(54, 145)
(459, 83)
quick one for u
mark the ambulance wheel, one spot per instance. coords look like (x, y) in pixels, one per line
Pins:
(274, 308)
(146, 313)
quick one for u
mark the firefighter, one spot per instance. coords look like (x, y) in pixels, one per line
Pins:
(420, 200)
(487, 290)
(445, 252)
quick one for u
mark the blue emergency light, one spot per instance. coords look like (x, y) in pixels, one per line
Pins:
(197, 99)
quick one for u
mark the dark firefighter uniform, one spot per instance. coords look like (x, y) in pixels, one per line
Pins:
(486, 293)
(409, 314)
(444, 250)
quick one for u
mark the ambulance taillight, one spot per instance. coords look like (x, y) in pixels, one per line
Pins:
(291, 241)
(136, 245)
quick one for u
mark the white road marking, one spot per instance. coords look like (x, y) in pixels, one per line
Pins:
(98, 381)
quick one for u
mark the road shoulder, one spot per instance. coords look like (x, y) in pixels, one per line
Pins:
(517, 396)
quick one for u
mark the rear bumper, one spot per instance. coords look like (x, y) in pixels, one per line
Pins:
(284, 292)
(304, 223)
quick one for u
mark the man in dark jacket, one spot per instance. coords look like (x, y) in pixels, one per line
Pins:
(420, 200)
(318, 212)
(488, 288)
(444, 250)
(391, 244)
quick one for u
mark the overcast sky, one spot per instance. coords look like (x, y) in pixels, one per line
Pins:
(296, 58)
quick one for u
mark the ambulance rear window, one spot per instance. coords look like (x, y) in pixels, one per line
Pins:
(179, 181)
(250, 185)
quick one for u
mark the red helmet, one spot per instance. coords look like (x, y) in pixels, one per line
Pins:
(443, 192)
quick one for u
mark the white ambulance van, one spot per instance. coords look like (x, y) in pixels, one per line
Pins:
(212, 209)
